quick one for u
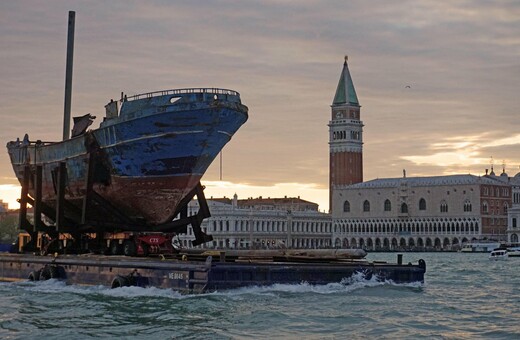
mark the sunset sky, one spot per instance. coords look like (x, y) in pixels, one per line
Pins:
(438, 81)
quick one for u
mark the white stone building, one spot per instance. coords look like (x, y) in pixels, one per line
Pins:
(423, 213)
(263, 223)
(513, 220)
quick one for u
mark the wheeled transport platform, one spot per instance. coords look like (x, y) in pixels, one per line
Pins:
(199, 273)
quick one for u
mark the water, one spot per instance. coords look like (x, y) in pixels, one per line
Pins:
(465, 296)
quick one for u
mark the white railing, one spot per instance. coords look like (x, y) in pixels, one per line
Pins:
(183, 91)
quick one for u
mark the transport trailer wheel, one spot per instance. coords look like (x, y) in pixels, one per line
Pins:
(146, 249)
(45, 274)
(34, 275)
(129, 248)
(115, 248)
(49, 272)
(120, 281)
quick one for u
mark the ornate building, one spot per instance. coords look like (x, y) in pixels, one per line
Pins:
(424, 213)
(513, 225)
(263, 223)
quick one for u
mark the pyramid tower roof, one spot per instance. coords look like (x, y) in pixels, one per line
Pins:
(345, 92)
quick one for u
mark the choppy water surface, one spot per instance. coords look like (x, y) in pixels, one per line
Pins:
(465, 296)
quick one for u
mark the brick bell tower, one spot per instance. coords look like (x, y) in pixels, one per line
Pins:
(345, 135)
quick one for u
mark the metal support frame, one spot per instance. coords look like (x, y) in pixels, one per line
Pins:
(60, 197)
(180, 225)
(69, 218)
(196, 220)
(88, 187)
(23, 223)
(38, 199)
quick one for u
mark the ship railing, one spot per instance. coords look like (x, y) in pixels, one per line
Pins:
(207, 90)
(36, 143)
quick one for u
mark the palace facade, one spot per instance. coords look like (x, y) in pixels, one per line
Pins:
(513, 225)
(423, 213)
(262, 223)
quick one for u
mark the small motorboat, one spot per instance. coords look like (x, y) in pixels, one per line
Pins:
(499, 254)
(513, 251)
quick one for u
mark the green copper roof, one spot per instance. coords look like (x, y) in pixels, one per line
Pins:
(345, 93)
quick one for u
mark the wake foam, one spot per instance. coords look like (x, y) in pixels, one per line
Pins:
(347, 285)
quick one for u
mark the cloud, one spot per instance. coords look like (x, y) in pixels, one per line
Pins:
(306, 191)
(284, 57)
(463, 151)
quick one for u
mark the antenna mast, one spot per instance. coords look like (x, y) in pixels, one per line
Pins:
(68, 76)
(221, 165)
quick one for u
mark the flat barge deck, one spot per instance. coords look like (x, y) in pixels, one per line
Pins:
(199, 273)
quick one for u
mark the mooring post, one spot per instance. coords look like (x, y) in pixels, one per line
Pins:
(60, 196)
(38, 199)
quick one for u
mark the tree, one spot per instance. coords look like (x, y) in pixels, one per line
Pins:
(8, 228)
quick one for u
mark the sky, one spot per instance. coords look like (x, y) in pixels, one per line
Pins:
(438, 81)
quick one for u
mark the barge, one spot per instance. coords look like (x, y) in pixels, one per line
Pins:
(203, 272)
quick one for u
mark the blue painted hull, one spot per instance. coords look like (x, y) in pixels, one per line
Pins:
(148, 157)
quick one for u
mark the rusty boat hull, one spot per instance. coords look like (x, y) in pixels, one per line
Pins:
(144, 159)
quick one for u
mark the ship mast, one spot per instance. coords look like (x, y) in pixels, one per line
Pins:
(68, 76)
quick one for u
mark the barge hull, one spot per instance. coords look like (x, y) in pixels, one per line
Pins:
(195, 276)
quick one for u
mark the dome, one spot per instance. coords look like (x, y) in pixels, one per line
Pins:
(503, 174)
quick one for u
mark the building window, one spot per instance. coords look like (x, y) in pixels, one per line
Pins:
(346, 206)
(505, 208)
(444, 207)
(404, 208)
(366, 206)
(514, 222)
(484, 207)
(467, 206)
(388, 205)
(485, 191)
(422, 204)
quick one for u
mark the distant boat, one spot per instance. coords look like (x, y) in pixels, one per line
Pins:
(513, 249)
(145, 159)
(479, 247)
(498, 254)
